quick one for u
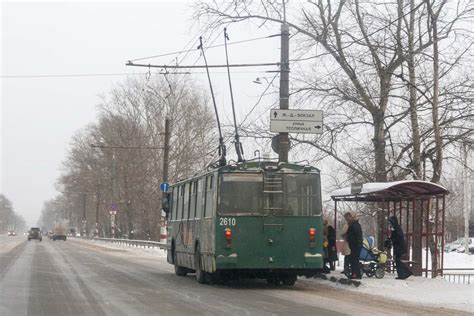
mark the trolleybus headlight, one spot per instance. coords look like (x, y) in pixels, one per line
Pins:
(228, 237)
(312, 237)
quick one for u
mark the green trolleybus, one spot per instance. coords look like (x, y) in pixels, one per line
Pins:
(252, 220)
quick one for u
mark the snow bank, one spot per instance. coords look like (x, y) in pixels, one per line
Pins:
(456, 260)
(420, 290)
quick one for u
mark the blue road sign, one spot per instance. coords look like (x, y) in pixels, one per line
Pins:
(164, 186)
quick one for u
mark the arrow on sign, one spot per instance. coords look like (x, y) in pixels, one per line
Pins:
(318, 126)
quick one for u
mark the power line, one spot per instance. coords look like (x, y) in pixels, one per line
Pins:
(192, 50)
(118, 74)
(125, 147)
(199, 66)
(228, 138)
(71, 75)
(259, 99)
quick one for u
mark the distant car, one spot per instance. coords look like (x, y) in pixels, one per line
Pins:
(461, 247)
(59, 231)
(11, 233)
(35, 233)
(453, 246)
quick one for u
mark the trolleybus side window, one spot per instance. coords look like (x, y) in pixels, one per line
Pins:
(174, 206)
(199, 200)
(186, 201)
(180, 202)
(192, 203)
(302, 195)
(240, 193)
(209, 196)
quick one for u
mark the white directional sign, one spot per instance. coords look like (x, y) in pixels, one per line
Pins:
(296, 121)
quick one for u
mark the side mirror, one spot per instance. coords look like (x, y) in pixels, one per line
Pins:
(165, 204)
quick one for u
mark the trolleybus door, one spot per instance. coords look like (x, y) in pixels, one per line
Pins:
(273, 226)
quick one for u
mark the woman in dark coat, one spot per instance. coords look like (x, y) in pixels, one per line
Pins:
(399, 248)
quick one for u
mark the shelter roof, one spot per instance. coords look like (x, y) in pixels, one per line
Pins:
(378, 191)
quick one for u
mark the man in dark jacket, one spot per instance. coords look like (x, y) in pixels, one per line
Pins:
(399, 248)
(354, 238)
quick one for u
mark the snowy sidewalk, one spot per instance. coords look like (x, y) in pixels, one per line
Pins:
(419, 290)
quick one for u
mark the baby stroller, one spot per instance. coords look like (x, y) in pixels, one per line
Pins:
(371, 259)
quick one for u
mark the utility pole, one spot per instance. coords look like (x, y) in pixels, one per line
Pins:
(84, 221)
(166, 150)
(164, 196)
(466, 190)
(284, 87)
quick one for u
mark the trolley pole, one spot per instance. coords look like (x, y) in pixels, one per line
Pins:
(284, 88)
(84, 220)
(166, 151)
(97, 205)
(112, 217)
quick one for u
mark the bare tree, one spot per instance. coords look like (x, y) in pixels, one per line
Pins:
(126, 169)
(357, 78)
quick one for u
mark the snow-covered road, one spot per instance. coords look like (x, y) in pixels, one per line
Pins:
(85, 278)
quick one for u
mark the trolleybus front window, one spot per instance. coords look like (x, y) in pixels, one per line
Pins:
(241, 194)
(302, 195)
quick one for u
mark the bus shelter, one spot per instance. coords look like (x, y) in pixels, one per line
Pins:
(420, 209)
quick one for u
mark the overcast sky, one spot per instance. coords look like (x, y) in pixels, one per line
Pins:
(40, 114)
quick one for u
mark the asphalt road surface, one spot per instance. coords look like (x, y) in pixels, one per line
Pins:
(79, 278)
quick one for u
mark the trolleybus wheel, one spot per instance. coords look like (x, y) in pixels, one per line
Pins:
(273, 280)
(289, 280)
(179, 271)
(201, 275)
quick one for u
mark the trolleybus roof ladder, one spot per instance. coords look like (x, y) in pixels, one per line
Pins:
(273, 189)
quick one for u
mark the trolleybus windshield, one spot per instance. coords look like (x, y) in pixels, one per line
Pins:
(302, 195)
(244, 194)
(241, 194)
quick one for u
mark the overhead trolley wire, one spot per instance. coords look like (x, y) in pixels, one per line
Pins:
(213, 46)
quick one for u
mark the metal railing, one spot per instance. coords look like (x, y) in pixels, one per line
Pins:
(459, 275)
(129, 242)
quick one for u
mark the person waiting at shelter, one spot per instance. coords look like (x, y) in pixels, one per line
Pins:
(326, 267)
(354, 238)
(399, 248)
(345, 250)
(330, 234)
